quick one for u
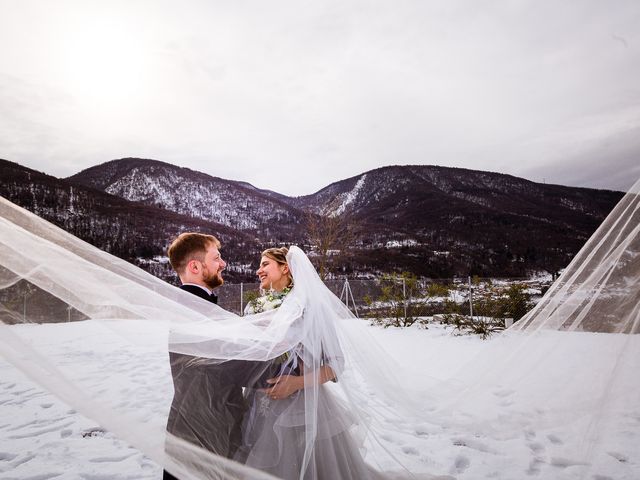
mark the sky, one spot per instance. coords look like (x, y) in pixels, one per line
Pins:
(294, 95)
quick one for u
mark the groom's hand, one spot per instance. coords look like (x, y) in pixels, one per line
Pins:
(283, 386)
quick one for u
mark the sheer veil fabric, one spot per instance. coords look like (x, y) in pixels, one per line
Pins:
(96, 323)
(124, 316)
(572, 361)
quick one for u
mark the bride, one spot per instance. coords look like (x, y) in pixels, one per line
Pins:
(276, 427)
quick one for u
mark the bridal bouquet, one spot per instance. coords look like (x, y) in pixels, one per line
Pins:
(269, 301)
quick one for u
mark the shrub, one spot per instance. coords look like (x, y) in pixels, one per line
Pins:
(437, 290)
(463, 324)
(397, 308)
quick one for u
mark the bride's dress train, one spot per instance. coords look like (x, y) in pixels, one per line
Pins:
(274, 441)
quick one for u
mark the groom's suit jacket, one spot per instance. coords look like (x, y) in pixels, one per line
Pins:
(208, 404)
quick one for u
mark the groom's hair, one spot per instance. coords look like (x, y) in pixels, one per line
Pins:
(189, 246)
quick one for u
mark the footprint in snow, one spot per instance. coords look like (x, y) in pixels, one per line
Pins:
(619, 457)
(16, 462)
(118, 458)
(503, 393)
(460, 464)
(410, 451)
(5, 456)
(23, 425)
(44, 476)
(42, 431)
(536, 447)
(534, 466)
(473, 444)
(561, 462)
(22, 392)
(387, 438)
(555, 439)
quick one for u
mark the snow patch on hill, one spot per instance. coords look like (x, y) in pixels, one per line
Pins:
(348, 197)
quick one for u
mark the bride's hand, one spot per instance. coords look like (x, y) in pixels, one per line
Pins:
(283, 386)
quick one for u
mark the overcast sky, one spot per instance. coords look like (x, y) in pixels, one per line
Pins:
(294, 95)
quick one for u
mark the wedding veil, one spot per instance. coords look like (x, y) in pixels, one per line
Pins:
(93, 329)
(125, 319)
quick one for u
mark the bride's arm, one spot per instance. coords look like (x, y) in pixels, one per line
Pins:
(286, 385)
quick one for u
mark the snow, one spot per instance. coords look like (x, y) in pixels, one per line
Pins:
(207, 198)
(409, 242)
(541, 277)
(42, 438)
(349, 197)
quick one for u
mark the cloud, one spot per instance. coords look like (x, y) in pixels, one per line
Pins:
(613, 163)
(261, 92)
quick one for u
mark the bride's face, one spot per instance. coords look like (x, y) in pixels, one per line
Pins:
(272, 275)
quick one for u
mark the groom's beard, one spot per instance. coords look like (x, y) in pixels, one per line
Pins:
(213, 281)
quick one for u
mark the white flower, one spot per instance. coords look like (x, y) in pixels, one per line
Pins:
(269, 301)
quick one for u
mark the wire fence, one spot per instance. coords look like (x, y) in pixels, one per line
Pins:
(374, 297)
(235, 296)
(377, 297)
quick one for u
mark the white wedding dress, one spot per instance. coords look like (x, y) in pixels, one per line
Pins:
(275, 431)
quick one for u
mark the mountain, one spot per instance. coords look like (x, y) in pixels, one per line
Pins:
(238, 205)
(131, 230)
(404, 195)
(489, 222)
(432, 221)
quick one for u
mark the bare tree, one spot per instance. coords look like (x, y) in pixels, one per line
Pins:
(330, 235)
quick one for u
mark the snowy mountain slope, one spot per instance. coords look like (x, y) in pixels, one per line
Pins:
(491, 224)
(392, 186)
(234, 204)
(124, 228)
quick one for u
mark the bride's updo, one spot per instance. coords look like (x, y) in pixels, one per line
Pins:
(279, 255)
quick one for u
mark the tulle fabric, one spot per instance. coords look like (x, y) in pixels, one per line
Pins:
(572, 361)
(211, 355)
(219, 423)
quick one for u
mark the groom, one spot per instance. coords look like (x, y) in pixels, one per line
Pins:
(208, 404)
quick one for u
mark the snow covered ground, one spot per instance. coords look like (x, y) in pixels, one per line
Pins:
(42, 438)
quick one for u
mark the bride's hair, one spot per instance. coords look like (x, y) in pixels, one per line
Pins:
(279, 255)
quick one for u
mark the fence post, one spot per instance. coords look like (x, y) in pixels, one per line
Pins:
(346, 293)
(470, 299)
(404, 296)
(346, 290)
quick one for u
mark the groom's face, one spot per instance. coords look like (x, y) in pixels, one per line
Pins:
(212, 267)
